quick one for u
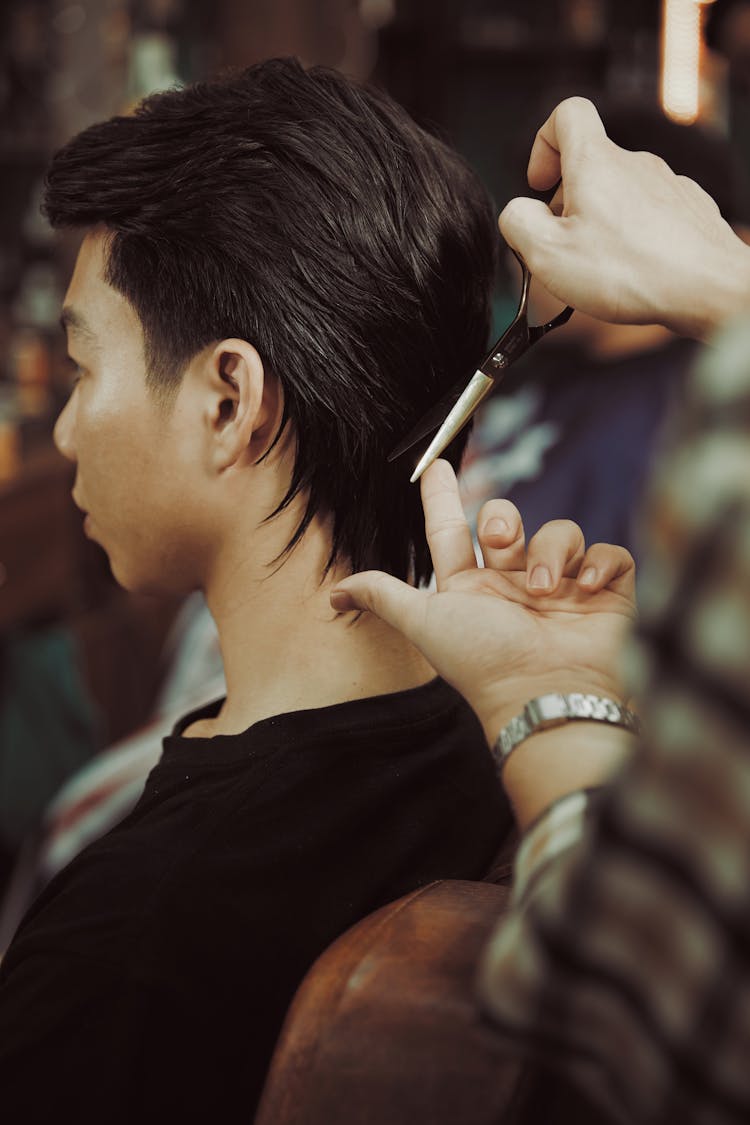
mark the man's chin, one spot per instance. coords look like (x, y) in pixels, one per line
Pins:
(147, 585)
(129, 578)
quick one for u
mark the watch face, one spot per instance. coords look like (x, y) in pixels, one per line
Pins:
(547, 711)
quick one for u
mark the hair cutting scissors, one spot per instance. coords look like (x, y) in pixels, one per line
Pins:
(458, 406)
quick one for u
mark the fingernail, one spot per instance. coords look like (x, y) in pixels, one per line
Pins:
(540, 579)
(341, 601)
(498, 527)
(587, 577)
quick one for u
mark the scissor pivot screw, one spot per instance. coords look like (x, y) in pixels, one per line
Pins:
(499, 359)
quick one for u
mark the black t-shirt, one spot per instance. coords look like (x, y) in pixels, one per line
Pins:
(150, 979)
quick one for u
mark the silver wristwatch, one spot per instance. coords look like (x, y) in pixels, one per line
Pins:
(552, 710)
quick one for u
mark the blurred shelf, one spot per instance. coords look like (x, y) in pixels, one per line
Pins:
(564, 55)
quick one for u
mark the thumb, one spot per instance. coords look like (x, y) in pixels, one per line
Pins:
(528, 226)
(387, 597)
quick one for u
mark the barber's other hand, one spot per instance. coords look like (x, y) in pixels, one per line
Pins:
(498, 633)
(624, 238)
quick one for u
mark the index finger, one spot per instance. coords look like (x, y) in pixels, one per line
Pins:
(572, 124)
(448, 533)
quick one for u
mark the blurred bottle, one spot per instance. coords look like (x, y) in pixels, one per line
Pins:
(10, 446)
(30, 372)
(153, 65)
(35, 314)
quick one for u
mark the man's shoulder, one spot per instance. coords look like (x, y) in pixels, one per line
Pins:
(217, 836)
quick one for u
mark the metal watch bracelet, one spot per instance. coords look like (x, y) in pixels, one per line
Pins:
(555, 709)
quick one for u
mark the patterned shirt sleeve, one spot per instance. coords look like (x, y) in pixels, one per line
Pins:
(625, 959)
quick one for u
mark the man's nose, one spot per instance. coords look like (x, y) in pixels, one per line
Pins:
(65, 428)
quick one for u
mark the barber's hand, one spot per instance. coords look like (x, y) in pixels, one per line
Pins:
(498, 633)
(625, 239)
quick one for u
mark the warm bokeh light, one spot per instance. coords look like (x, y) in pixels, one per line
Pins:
(680, 65)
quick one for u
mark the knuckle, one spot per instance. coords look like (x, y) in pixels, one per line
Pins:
(446, 525)
(560, 529)
(376, 590)
(581, 114)
(512, 213)
(612, 553)
(500, 509)
(698, 193)
(652, 161)
(577, 104)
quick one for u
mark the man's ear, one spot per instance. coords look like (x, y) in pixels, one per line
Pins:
(242, 407)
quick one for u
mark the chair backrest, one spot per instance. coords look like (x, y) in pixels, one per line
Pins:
(386, 1028)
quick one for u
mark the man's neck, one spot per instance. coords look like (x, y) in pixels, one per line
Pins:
(285, 649)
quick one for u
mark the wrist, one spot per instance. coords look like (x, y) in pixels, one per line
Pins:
(552, 763)
(721, 296)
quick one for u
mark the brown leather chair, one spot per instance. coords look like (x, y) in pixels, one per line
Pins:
(386, 1028)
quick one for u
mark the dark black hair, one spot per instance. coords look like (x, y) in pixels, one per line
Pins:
(312, 217)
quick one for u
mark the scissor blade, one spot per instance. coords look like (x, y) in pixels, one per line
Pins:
(438, 414)
(479, 387)
(429, 422)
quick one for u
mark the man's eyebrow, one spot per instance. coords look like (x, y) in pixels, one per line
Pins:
(71, 319)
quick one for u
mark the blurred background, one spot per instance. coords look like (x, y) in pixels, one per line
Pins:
(83, 665)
